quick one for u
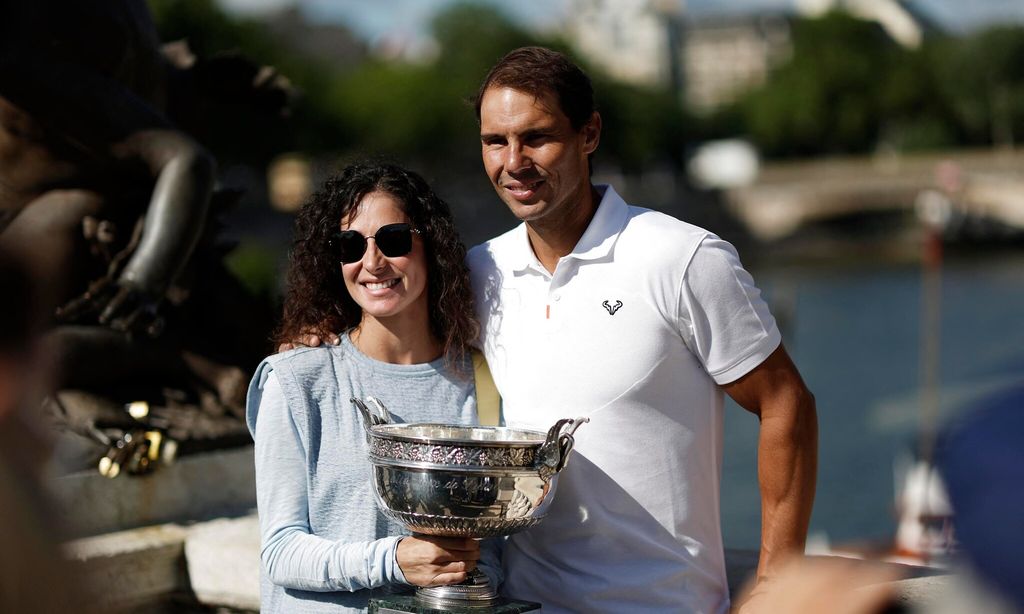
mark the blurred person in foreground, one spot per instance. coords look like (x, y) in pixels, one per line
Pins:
(377, 259)
(981, 460)
(980, 457)
(640, 321)
(33, 575)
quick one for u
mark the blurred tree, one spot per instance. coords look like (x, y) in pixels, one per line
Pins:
(641, 127)
(982, 76)
(827, 97)
(914, 114)
(417, 112)
(315, 126)
(473, 38)
(422, 111)
(850, 89)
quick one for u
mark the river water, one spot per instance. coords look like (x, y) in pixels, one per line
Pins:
(854, 330)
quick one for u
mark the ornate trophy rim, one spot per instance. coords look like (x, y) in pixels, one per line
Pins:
(526, 438)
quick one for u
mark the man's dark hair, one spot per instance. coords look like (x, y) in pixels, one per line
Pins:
(539, 71)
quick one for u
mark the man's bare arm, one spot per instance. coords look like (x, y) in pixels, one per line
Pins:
(787, 454)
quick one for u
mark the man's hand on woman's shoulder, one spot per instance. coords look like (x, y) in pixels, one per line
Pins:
(311, 340)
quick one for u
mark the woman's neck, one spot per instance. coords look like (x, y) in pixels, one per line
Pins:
(397, 341)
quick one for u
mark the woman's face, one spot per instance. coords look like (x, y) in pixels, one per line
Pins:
(385, 287)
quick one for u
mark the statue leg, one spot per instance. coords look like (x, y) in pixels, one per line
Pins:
(98, 358)
(47, 236)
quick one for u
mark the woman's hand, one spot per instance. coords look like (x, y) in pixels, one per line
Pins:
(436, 561)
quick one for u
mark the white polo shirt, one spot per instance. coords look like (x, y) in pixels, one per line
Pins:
(635, 329)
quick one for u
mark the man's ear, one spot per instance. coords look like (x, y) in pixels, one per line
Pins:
(591, 133)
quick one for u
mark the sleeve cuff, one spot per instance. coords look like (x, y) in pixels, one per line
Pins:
(757, 354)
(395, 574)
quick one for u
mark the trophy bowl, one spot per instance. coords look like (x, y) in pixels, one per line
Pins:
(463, 481)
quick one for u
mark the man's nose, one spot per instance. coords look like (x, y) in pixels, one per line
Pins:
(517, 159)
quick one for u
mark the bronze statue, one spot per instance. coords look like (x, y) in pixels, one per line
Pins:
(110, 204)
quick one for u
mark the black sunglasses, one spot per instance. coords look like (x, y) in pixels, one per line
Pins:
(393, 240)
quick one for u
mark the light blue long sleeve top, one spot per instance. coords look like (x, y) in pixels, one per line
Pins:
(325, 547)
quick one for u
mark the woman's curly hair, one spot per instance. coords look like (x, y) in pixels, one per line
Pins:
(316, 299)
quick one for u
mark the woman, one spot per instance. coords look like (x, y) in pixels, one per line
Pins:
(376, 258)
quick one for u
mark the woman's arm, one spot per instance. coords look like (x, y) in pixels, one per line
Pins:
(292, 555)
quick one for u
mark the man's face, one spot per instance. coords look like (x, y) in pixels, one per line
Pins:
(534, 158)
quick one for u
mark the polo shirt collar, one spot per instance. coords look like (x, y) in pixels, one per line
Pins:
(598, 238)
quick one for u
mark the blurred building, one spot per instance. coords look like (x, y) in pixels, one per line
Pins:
(902, 20)
(648, 43)
(631, 40)
(710, 61)
(727, 56)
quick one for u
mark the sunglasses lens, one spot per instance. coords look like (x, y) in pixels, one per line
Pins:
(394, 240)
(349, 245)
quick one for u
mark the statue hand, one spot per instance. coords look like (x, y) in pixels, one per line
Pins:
(132, 310)
(120, 305)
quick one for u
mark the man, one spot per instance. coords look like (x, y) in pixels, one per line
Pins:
(639, 321)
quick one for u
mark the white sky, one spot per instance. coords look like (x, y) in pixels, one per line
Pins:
(373, 19)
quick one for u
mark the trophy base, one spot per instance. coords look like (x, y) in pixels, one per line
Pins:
(474, 592)
(408, 603)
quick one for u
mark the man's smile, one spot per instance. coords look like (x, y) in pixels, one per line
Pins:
(522, 190)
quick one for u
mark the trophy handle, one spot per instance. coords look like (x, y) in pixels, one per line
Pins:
(566, 441)
(554, 454)
(373, 413)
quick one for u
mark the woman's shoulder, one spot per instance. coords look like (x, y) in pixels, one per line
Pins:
(304, 355)
(303, 363)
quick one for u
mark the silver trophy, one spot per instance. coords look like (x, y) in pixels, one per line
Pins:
(463, 481)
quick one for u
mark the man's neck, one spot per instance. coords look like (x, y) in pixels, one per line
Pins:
(553, 239)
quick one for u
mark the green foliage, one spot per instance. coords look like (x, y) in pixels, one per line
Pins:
(256, 267)
(314, 125)
(849, 89)
(207, 28)
(641, 127)
(982, 77)
(827, 97)
(472, 38)
(420, 113)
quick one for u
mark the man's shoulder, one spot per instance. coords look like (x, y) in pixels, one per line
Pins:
(643, 222)
(655, 237)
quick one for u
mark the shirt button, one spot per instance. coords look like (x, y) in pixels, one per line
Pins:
(557, 297)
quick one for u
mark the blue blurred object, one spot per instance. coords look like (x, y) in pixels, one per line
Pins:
(981, 458)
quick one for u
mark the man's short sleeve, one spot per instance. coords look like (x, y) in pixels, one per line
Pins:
(722, 317)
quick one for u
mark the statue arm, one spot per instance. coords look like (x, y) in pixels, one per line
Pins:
(177, 206)
(105, 120)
